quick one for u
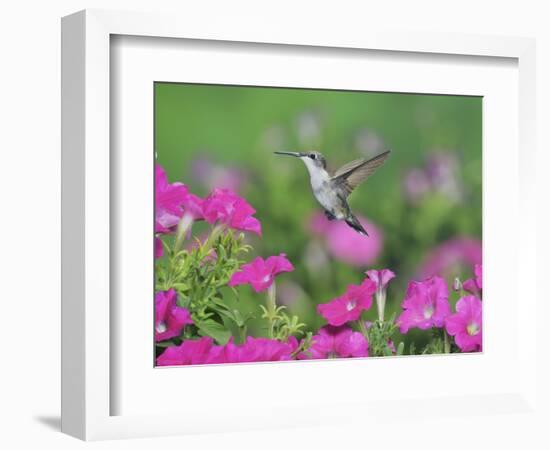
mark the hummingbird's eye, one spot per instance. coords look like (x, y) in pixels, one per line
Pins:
(312, 155)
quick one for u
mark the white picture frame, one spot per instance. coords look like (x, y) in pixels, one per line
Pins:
(89, 385)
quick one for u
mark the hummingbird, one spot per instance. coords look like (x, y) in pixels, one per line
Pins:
(332, 189)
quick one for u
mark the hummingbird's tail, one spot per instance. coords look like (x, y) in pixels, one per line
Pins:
(354, 223)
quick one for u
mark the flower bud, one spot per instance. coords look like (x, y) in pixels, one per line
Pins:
(457, 285)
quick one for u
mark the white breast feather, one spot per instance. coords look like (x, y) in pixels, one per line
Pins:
(320, 183)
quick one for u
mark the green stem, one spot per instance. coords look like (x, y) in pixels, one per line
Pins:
(381, 303)
(184, 226)
(446, 342)
(271, 308)
(214, 234)
(363, 328)
(242, 331)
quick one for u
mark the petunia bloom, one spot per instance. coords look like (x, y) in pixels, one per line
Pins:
(169, 318)
(381, 278)
(465, 325)
(347, 245)
(442, 170)
(193, 206)
(349, 306)
(439, 175)
(203, 351)
(211, 175)
(474, 285)
(478, 272)
(169, 199)
(159, 249)
(416, 184)
(289, 293)
(258, 349)
(338, 342)
(226, 207)
(261, 273)
(195, 351)
(426, 305)
(456, 252)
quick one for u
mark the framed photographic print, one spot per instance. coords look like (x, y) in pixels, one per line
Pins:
(256, 223)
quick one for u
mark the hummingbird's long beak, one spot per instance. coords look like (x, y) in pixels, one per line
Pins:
(296, 154)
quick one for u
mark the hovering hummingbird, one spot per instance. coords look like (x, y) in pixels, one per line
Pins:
(332, 189)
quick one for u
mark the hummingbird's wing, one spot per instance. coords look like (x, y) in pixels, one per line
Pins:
(350, 175)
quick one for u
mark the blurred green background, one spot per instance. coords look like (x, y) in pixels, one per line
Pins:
(423, 206)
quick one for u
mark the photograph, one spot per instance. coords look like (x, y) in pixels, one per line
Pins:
(296, 224)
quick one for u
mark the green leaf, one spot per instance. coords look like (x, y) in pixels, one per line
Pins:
(227, 314)
(400, 348)
(214, 330)
(239, 320)
(218, 302)
(164, 344)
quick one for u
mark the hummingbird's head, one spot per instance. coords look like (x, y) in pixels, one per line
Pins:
(311, 159)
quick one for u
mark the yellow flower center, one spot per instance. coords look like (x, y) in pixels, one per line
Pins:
(428, 312)
(472, 329)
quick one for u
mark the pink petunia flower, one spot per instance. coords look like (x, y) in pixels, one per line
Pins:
(289, 293)
(478, 272)
(440, 175)
(381, 278)
(224, 206)
(259, 349)
(444, 259)
(338, 342)
(203, 351)
(169, 318)
(211, 175)
(195, 351)
(159, 248)
(193, 206)
(442, 171)
(348, 307)
(426, 305)
(474, 285)
(347, 245)
(261, 273)
(169, 199)
(465, 325)
(415, 184)
(369, 142)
